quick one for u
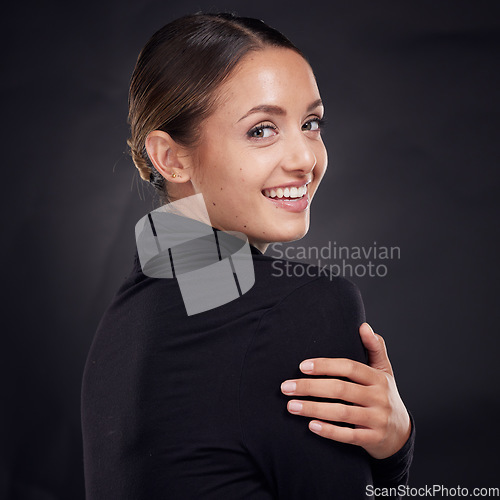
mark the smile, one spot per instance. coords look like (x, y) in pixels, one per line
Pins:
(290, 198)
(285, 192)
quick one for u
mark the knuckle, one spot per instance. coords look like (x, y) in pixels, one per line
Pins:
(343, 412)
(383, 419)
(330, 432)
(377, 397)
(340, 389)
(312, 408)
(320, 364)
(381, 400)
(382, 380)
(350, 369)
(385, 404)
(303, 386)
(352, 437)
(380, 437)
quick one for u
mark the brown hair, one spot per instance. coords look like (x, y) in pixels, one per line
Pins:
(177, 72)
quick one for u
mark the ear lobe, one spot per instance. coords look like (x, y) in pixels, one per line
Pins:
(167, 156)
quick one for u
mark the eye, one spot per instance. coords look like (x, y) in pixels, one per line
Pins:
(314, 124)
(262, 131)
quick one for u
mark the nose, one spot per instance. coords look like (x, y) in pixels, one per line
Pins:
(299, 154)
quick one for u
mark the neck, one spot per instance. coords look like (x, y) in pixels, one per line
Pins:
(259, 245)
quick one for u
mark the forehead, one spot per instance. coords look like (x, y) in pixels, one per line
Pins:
(275, 76)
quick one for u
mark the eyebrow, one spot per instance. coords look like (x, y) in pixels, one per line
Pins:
(277, 110)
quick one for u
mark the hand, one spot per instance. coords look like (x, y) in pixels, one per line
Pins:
(382, 424)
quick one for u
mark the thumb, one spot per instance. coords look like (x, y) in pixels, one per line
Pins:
(375, 346)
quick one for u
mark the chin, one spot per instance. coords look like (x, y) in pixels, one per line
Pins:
(297, 232)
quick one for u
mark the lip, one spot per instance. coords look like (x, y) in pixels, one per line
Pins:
(290, 206)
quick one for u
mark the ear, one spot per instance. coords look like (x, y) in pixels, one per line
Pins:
(168, 157)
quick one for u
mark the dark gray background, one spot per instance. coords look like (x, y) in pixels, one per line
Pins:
(410, 90)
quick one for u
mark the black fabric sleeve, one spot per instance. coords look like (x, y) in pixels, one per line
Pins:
(318, 319)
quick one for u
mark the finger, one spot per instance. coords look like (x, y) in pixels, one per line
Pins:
(375, 346)
(341, 367)
(334, 412)
(358, 437)
(332, 389)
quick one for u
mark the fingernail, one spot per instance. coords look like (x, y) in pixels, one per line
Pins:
(315, 426)
(307, 366)
(295, 406)
(288, 386)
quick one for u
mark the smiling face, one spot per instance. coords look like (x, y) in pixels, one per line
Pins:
(263, 137)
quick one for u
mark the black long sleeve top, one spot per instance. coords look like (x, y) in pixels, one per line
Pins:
(187, 407)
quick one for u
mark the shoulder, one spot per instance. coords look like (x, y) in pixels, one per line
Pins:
(294, 283)
(315, 316)
(312, 314)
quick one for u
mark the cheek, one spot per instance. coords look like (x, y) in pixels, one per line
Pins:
(258, 166)
(214, 168)
(250, 169)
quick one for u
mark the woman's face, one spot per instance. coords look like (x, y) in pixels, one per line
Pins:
(263, 135)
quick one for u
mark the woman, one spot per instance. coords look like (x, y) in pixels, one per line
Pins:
(195, 406)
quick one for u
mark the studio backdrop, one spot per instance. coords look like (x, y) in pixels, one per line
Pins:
(407, 210)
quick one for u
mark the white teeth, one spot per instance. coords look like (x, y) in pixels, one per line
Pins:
(293, 192)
